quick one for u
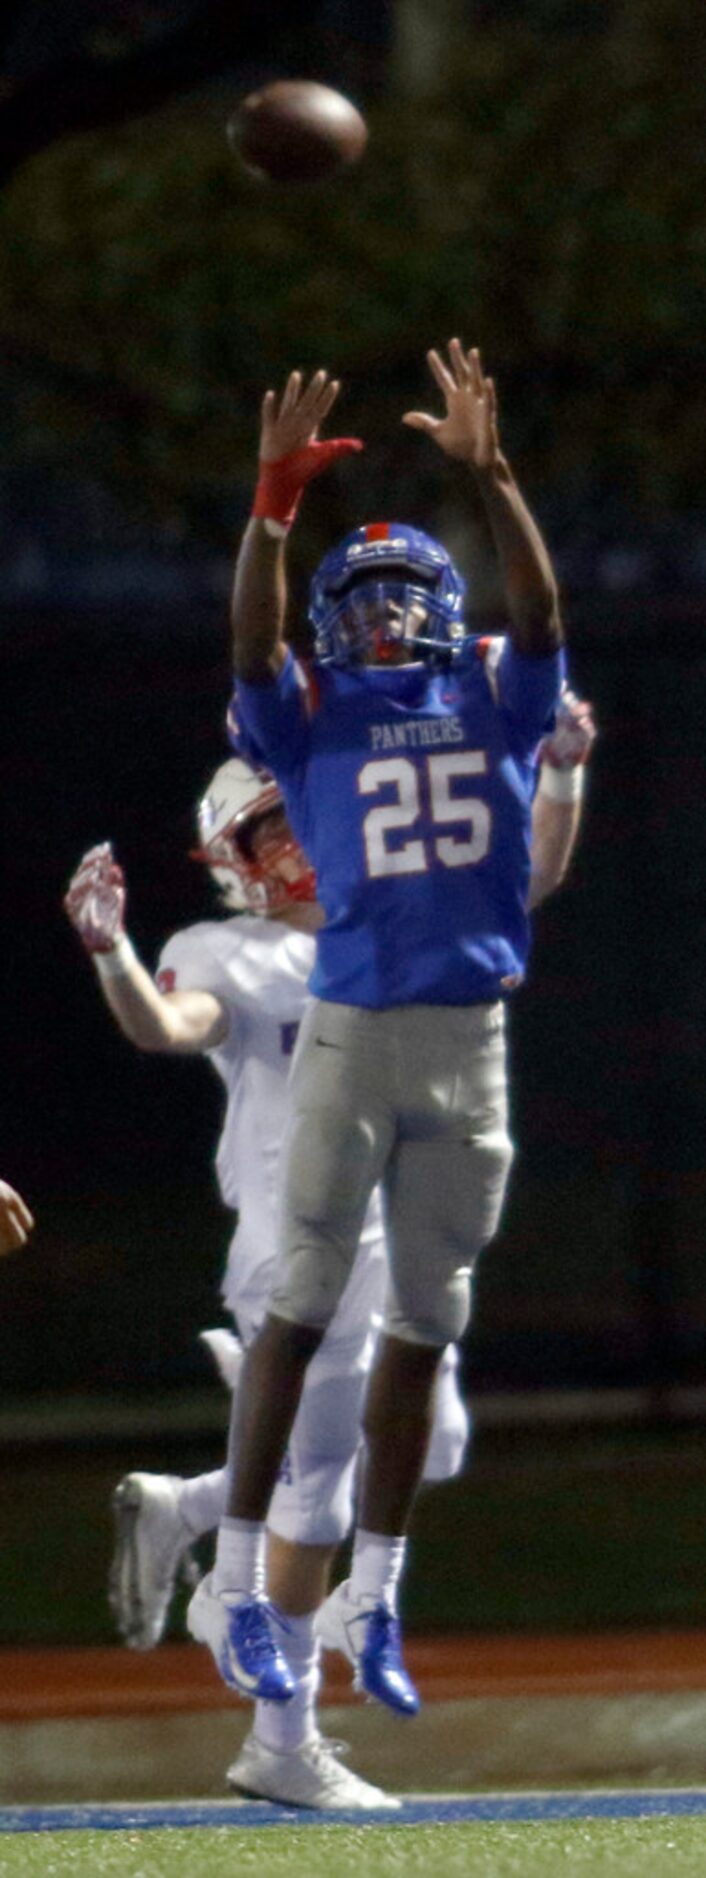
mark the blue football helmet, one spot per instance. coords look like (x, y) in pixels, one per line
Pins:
(383, 586)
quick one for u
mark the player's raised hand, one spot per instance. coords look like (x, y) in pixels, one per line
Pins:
(291, 421)
(469, 428)
(16, 1221)
(569, 744)
(95, 899)
(291, 453)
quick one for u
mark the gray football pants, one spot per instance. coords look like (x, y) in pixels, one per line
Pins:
(415, 1098)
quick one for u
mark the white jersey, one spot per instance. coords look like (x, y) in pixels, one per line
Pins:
(258, 969)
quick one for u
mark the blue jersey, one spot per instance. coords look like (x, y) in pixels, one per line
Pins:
(410, 790)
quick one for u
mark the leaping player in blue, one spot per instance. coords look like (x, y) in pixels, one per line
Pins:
(406, 756)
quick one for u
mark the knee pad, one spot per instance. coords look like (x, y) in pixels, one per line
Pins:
(309, 1283)
(315, 1508)
(431, 1313)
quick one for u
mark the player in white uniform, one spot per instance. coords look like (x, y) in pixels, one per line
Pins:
(255, 968)
(236, 988)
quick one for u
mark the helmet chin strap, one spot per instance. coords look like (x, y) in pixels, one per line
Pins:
(383, 645)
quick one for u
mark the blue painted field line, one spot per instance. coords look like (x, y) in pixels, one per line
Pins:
(492, 1808)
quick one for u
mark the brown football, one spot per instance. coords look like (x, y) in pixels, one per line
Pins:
(296, 131)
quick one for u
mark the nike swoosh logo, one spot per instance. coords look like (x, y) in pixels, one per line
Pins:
(239, 1679)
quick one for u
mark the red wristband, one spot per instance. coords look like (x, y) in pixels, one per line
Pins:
(281, 484)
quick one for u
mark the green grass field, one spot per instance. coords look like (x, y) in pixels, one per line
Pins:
(626, 1848)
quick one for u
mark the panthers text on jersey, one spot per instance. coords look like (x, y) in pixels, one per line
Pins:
(410, 789)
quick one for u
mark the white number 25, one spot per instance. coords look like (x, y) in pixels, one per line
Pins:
(468, 818)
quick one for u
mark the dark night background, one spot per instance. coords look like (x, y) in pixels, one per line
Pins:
(149, 294)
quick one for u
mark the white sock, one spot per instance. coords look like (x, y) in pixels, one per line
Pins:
(202, 1501)
(239, 1569)
(286, 1726)
(376, 1568)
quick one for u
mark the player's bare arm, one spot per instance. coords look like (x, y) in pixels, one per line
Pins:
(558, 804)
(555, 828)
(16, 1221)
(181, 1022)
(291, 455)
(468, 432)
(258, 606)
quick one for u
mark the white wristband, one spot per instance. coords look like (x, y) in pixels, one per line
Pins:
(278, 530)
(117, 962)
(561, 785)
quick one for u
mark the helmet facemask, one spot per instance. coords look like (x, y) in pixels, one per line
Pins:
(248, 846)
(386, 586)
(381, 615)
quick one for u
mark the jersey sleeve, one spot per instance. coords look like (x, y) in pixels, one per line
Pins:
(251, 966)
(189, 962)
(273, 719)
(526, 691)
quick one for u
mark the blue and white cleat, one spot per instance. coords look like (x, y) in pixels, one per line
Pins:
(237, 1632)
(369, 1635)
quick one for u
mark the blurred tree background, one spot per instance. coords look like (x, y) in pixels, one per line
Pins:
(535, 180)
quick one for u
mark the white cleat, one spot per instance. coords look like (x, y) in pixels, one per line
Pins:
(151, 1551)
(310, 1776)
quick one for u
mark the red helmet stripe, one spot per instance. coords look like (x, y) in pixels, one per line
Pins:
(377, 531)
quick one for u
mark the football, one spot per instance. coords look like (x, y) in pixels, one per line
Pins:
(297, 131)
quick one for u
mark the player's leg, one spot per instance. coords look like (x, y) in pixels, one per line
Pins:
(444, 1187)
(151, 1553)
(275, 1760)
(397, 1426)
(379, 1561)
(285, 1757)
(359, 1619)
(157, 1520)
(451, 1423)
(332, 1164)
(339, 1135)
(229, 1611)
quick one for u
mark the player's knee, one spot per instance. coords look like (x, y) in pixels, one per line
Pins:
(494, 1157)
(314, 1505)
(308, 1287)
(293, 1337)
(433, 1316)
(319, 1525)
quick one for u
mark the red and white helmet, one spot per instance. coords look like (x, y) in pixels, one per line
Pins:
(236, 799)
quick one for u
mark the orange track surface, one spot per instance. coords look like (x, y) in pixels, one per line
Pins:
(40, 1685)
